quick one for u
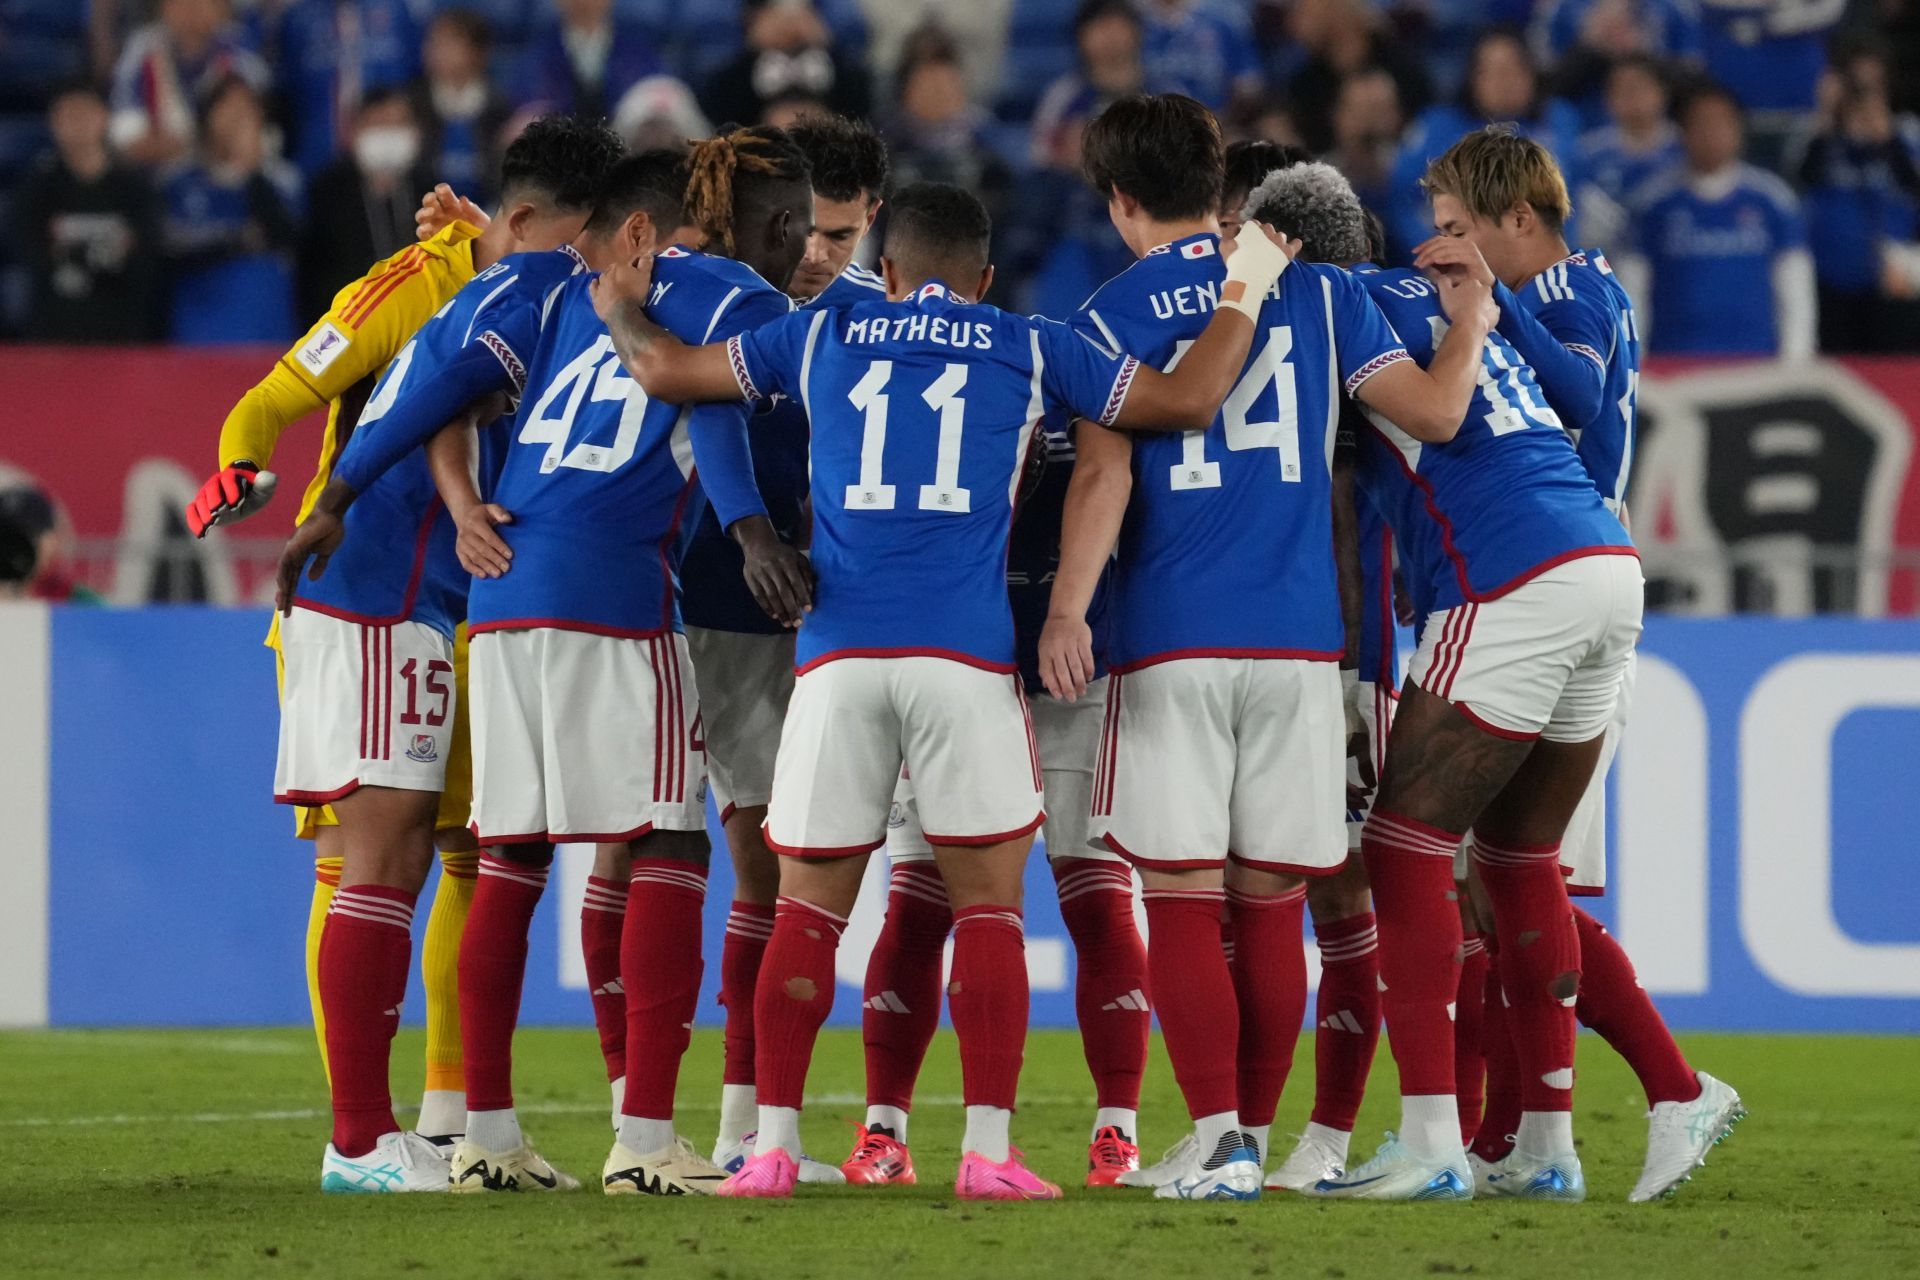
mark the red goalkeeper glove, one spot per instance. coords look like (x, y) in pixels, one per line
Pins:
(234, 493)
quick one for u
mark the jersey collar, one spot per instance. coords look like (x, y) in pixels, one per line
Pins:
(937, 291)
(1204, 245)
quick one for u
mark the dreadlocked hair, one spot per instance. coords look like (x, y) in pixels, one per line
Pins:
(720, 168)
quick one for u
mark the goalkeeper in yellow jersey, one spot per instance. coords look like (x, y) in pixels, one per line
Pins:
(549, 179)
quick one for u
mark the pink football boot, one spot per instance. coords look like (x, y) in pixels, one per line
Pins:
(982, 1179)
(763, 1177)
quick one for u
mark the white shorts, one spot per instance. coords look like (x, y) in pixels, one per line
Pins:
(1544, 660)
(1377, 702)
(1068, 735)
(1205, 759)
(1583, 849)
(745, 680)
(580, 737)
(854, 723)
(362, 706)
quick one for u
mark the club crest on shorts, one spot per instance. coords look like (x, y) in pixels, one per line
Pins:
(897, 815)
(423, 749)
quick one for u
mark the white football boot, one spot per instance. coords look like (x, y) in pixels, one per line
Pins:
(400, 1161)
(677, 1170)
(1394, 1174)
(1321, 1153)
(1235, 1175)
(1182, 1156)
(1679, 1135)
(1524, 1177)
(476, 1169)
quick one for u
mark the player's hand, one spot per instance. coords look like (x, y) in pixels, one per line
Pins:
(482, 552)
(1451, 256)
(624, 282)
(1468, 301)
(234, 493)
(1066, 657)
(778, 574)
(317, 538)
(440, 208)
(1359, 751)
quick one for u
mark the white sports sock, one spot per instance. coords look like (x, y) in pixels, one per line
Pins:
(619, 1087)
(1430, 1126)
(1127, 1122)
(1545, 1135)
(986, 1133)
(1218, 1135)
(892, 1119)
(1338, 1139)
(738, 1112)
(496, 1131)
(1259, 1133)
(779, 1127)
(442, 1112)
(645, 1137)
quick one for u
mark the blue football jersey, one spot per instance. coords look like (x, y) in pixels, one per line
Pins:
(1033, 558)
(1227, 548)
(599, 477)
(1580, 302)
(1505, 499)
(713, 584)
(1711, 261)
(922, 412)
(367, 580)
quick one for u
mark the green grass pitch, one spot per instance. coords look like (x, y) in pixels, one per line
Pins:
(195, 1153)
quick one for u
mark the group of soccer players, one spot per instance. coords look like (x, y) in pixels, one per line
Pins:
(894, 568)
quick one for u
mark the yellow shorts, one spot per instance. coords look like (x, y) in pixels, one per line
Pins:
(456, 802)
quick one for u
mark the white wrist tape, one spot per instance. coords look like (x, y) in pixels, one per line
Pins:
(1257, 263)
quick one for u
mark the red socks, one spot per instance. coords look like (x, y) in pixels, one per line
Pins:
(1500, 1120)
(1469, 1065)
(749, 929)
(1110, 983)
(987, 998)
(603, 918)
(793, 999)
(1613, 1003)
(660, 968)
(1411, 866)
(1539, 962)
(365, 949)
(493, 968)
(1347, 1017)
(900, 1004)
(1193, 991)
(1270, 986)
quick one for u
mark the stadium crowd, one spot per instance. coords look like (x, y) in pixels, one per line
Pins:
(203, 171)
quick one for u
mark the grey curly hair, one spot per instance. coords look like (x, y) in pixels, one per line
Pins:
(1315, 204)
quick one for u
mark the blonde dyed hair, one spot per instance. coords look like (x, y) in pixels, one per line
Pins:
(1495, 169)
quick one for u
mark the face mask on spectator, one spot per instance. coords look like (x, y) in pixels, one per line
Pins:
(386, 149)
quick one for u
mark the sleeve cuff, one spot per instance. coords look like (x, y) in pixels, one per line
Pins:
(737, 360)
(1374, 366)
(1117, 397)
(516, 371)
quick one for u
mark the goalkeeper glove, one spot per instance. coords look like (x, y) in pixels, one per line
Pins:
(234, 493)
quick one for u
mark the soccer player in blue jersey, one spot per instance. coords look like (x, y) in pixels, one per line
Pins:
(1532, 598)
(1499, 203)
(743, 659)
(923, 408)
(1225, 733)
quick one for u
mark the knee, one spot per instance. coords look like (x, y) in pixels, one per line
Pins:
(674, 846)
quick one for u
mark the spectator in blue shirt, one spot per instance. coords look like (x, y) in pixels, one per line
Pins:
(1859, 173)
(332, 54)
(1204, 49)
(229, 230)
(1107, 43)
(461, 114)
(166, 73)
(1720, 263)
(1768, 53)
(1638, 142)
(589, 59)
(1584, 39)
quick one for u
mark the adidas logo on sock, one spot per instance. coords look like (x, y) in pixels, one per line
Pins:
(1135, 1001)
(887, 1002)
(614, 988)
(1343, 1021)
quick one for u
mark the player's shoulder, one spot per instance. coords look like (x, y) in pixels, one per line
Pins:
(1658, 191)
(1387, 282)
(538, 267)
(850, 288)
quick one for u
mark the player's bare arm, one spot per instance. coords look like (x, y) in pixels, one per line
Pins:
(317, 538)
(1187, 398)
(1429, 404)
(453, 460)
(665, 367)
(1096, 503)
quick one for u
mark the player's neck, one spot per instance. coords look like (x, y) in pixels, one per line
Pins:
(1543, 252)
(491, 245)
(1148, 233)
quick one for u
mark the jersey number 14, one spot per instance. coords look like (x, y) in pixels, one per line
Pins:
(1269, 367)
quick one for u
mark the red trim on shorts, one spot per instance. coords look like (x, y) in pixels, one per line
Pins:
(1288, 868)
(1582, 890)
(977, 842)
(314, 799)
(1460, 620)
(1162, 864)
(951, 655)
(1103, 768)
(564, 624)
(1486, 726)
(561, 837)
(728, 812)
(1033, 744)
(818, 851)
(1179, 655)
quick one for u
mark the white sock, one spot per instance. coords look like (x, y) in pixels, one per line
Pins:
(738, 1112)
(986, 1133)
(442, 1112)
(892, 1119)
(496, 1131)
(1545, 1135)
(1127, 1122)
(779, 1127)
(1258, 1132)
(1218, 1135)
(1337, 1139)
(645, 1137)
(1430, 1126)
(619, 1087)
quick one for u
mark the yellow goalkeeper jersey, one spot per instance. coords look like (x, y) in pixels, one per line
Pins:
(340, 359)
